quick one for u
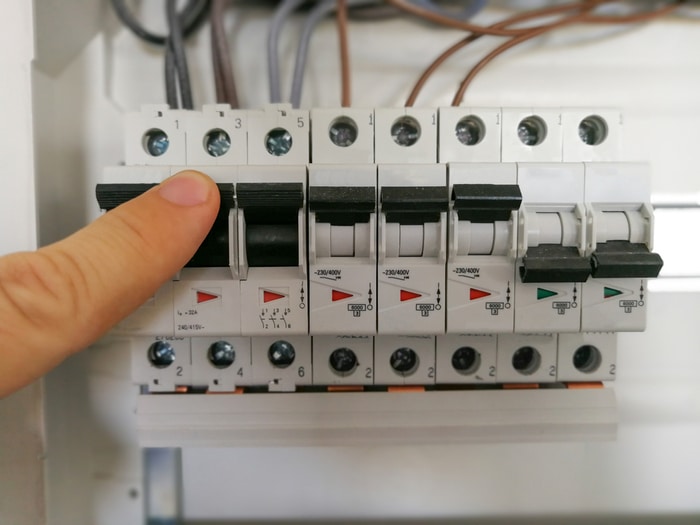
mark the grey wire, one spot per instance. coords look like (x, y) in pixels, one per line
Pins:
(282, 13)
(468, 11)
(176, 45)
(191, 18)
(318, 13)
(170, 80)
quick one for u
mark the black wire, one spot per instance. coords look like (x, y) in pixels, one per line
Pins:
(176, 45)
(191, 18)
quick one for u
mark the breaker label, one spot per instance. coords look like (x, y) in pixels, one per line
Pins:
(274, 318)
(469, 273)
(400, 274)
(629, 304)
(330, 274)
(495, 307)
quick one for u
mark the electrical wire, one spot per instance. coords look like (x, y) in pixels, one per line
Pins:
(223, 70)
(469, 11)
(280, 16)
(342, 21)
(318, 13)
(516, 19)
(449, 21)
(581, 18)
(170, 80)
(176, 46)
(191, 18)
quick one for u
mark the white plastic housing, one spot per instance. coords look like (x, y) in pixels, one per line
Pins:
(483, 371)
(486, 149)
(481, 288)
(325, 151)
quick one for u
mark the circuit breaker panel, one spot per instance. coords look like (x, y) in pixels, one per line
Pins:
(361, 249)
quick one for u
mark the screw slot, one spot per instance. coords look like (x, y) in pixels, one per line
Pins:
(217, 142)
(343, 361)
(593, 130)
(587, 359)
(404, 361)
(405, 131)
(278, 142)
(532, 130)
(466, 360)
(281, 354)
(343, 132)
(470, 130)
(161, 354)
(155, 142)
(526, 360)
(221, 354)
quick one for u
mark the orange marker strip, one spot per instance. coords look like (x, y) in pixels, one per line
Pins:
(405, 389)
(182, 389)
(239, 390)
(346, 388)
(520, 386)
(584, 386)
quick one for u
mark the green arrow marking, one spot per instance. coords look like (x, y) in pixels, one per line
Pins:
(543, 293)
(611, 292)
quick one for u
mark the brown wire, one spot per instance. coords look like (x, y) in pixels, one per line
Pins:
(522, 17)
(581, 18)
(342, 20)
(437, 18)
(221, 57)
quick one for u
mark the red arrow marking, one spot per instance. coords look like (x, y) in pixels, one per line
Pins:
(337, 295)
(475, 293)
(407, 296)
(203, 297)
(271, 296)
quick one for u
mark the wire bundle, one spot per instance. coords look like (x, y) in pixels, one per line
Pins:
(582, 14)
(517, 29)
(180, 26)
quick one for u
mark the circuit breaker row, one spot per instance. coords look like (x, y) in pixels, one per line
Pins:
(410, 249)
(223, 364)
(388, 235)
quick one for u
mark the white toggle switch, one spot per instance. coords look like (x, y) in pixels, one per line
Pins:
(342, 251)
(620, 224)
(412, 249)
(272, 253)
(480, 269)
(551, 264)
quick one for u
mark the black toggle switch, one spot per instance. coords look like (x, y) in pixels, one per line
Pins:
(486, 202)
(342, 205)
(214, 250)
(414, 205)
(271, 213)
(552, 263)
(625, 259)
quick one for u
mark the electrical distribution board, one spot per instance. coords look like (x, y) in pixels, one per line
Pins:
(369, 249)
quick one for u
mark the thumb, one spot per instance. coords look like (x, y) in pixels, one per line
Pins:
(63, 297)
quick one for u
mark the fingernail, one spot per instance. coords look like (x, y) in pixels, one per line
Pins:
(185, 189)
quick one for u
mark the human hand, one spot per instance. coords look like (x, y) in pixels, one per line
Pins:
(61, 298)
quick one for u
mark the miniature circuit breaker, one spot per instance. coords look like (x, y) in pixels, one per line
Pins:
(392, 248)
